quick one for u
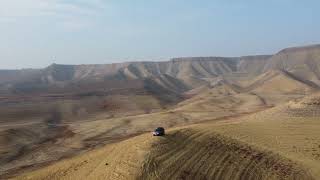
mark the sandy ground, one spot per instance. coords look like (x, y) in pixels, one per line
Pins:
(26, 148)
(278, 143)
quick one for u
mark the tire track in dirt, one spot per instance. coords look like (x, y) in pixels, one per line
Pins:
(194, 154)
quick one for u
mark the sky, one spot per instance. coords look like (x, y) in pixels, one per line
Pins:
(37, 33)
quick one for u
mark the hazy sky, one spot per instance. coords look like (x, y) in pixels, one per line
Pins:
(36, 33)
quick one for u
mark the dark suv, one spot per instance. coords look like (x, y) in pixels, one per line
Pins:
(158, 132)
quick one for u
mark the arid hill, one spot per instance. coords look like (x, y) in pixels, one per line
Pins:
(191, 72)
(64, 110)
(303, 62)
(277, 143)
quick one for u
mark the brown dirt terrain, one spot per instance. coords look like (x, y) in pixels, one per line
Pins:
(103, 129)
(192, 153)
(212, 104)
(228, 117)
(249, 147)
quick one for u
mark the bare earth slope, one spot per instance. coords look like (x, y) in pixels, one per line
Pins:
(182, 154)
(258, 146)
(188, 72)
(69, 137)
(304, 62)
(62, 111)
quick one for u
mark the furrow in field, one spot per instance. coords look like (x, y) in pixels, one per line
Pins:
(193, 154)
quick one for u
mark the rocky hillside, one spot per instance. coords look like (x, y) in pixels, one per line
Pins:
(178, 75)
(304, 62)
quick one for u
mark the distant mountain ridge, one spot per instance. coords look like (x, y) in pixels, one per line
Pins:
(178, 74)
